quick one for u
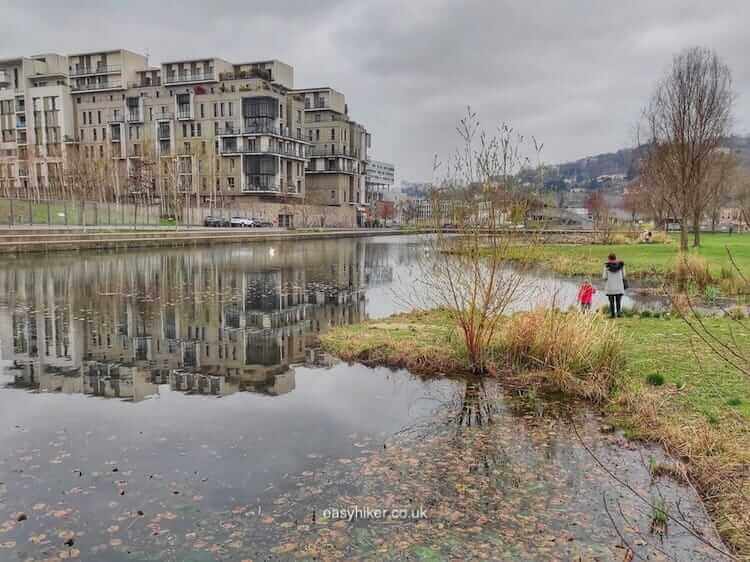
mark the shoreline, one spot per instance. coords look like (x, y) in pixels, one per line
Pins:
(15, 243)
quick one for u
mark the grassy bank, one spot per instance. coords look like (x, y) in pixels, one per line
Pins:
(645, 260)
(658, 381)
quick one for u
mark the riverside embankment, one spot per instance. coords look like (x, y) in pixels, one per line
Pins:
(52, 240)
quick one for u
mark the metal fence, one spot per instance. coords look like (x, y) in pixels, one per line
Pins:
(65, 213)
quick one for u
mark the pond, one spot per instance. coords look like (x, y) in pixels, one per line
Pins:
(173, 405)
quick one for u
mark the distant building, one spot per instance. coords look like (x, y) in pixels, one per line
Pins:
(380, 178)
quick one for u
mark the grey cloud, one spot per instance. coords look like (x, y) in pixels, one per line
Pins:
(574, 74)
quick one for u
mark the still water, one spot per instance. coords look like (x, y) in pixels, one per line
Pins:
(173, 405)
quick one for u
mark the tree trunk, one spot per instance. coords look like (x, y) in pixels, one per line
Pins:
(696, 231)
(683, 235)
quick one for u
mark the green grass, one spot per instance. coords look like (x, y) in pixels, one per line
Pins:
(643, 259)
(55, 214)
(668, 350)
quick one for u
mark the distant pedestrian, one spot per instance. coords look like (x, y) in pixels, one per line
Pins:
(614, 274)
(585, 295)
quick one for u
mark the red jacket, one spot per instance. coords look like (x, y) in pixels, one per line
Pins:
(586, 293)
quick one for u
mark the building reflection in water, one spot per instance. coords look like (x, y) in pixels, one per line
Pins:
(217, 321)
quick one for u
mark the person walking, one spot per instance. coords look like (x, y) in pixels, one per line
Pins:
(614, 275)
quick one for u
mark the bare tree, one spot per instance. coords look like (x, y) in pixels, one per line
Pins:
(469, 272)
(688, 115)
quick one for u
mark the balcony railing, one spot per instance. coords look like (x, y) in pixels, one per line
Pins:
(194, 77)
(255, 183)
(257, 149)
(68, 139)
(135, 117)
(321, 151)
(98, 69)
(145, 83)
(262, 129)
(184, 114)
(332, 168)
(265, 74)
(96, 86)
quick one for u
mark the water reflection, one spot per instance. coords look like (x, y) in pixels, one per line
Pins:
(203, 322)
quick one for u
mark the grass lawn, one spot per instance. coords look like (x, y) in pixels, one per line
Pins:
(55, 213)
(706, 386)
(642, 259)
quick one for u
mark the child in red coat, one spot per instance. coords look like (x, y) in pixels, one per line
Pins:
(586, 295)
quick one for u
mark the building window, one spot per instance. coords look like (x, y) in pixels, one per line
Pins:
(184, 130)
(230, 109)
(216, 114)
(104, 133)
(221, 108)
(333, 134)
(230, 183)
(202, 112)
(317, 134)
(94, 134)
(199, 130)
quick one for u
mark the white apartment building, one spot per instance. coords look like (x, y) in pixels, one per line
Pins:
(216, 129)
(337, 157)
(379, 179)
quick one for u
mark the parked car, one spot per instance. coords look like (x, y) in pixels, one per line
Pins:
(241, 222)
(263, 224)
(216, 221)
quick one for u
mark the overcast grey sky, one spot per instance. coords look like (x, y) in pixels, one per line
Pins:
(572, 73)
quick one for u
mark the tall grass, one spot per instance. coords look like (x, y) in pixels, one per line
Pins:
(692, 268)
(579, 353)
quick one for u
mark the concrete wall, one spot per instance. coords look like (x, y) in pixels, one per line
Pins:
(304, 215)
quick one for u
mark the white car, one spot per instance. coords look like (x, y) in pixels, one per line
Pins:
(241, 221)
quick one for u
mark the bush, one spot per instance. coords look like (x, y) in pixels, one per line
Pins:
(692, 268)
(580, 353)
(660, 237)
(646, 314)
(655, 379)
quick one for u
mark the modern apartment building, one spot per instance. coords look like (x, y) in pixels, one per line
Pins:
(379, 179)
(206, 129)
(337, 156)
(36, 120)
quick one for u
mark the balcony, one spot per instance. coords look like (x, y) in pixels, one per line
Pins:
(261, 183)
(135, 116)
(325, 151)
(99, 69)
(67, 139)
(336, 168)
(228, 149)
(262, 128)
(20, 122)
(95, 86)
(21, 138)
(188, 78)
(184, 114)
(23, 172)
(4, 78)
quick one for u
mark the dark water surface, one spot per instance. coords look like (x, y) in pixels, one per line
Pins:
(173, 406)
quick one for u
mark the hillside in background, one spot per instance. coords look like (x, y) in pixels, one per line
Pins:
(584, 171)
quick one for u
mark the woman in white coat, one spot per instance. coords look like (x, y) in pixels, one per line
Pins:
(614, 274)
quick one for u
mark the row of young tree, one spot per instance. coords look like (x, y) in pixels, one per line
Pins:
(145, 179)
